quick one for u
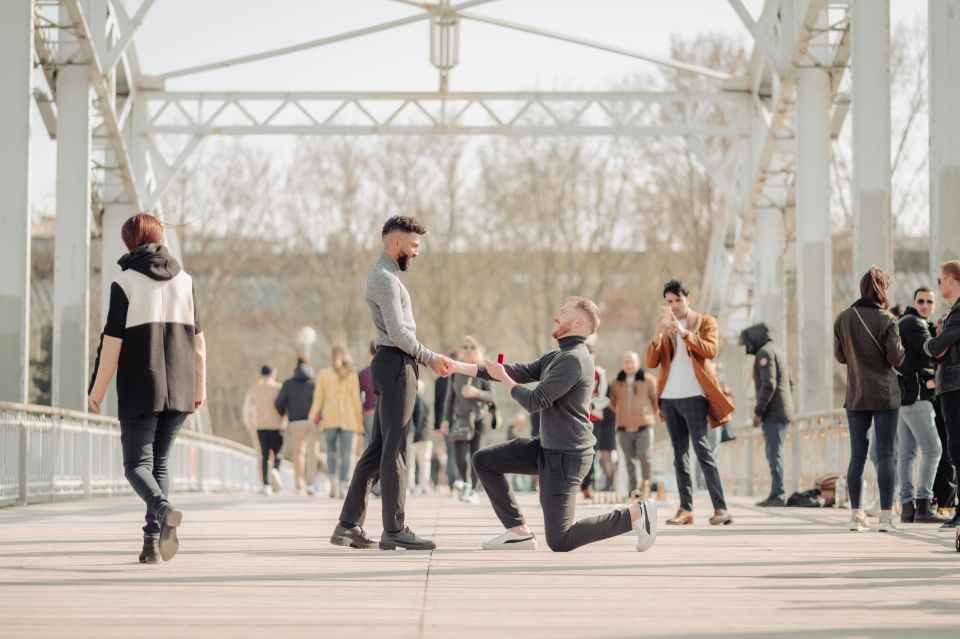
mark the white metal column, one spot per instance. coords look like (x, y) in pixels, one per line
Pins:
(16, 51)
(944, 30)
(770, 246)
(814, 256)
(872, 220)
(71, 274)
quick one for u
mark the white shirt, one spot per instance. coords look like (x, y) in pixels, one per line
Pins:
(681, 380)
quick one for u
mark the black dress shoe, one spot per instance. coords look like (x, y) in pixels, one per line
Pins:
(151, 552)
(405, 539)
(353, 537)
(772, 502)
(169, 543)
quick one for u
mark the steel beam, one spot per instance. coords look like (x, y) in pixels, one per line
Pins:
(770, 247)
(16, 78)
(71, 274)
(944, 34)
(872, 220)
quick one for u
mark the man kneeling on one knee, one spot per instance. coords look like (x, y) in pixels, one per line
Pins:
(563, 453)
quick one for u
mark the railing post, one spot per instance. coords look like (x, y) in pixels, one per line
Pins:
(23, 471)
(87, 440)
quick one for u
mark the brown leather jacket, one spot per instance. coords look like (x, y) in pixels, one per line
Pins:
(870, 352)
(635, 405)
(702, 342)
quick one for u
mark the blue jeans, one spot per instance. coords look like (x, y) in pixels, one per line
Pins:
(146, 442)
(917, 429)
(339, 448)
(858, 422)
(774, 436)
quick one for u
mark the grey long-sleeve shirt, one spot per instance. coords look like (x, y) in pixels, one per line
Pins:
(392, 311)
(566, 378)
(456, 405)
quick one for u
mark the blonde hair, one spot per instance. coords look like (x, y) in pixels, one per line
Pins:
(342, 362)
(588, 308)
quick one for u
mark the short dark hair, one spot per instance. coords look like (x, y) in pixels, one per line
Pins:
(404, 224)
(266, 370)
(922, 289)
(676, 287)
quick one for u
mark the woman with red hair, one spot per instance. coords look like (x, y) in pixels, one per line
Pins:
(153, 340)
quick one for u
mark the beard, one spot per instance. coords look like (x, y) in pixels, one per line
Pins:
(403, 261)
(561, 330)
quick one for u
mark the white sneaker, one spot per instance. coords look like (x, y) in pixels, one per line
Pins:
(311, 491)
(886, 524)
(472, 497)
(646, 525)
(858, 521)
(510, 540)
(458, 485)
(275, 480)
(267, 489)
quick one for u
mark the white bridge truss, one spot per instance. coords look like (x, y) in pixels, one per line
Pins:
(775, 126)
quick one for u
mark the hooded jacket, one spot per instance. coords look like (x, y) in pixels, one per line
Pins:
(296, 394)
(870, 349)
(771, 377)
(161, 361)
(917, 368)
(702, 342)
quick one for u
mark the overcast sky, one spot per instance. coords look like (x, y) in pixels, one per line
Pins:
(184, 33)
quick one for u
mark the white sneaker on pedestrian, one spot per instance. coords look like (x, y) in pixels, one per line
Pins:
(646, 525)
(458, 485)
(311, 491)
(510, 540)
(886, 522)
(472, 497)
(267, 489)
(858, 521)
(275, 480)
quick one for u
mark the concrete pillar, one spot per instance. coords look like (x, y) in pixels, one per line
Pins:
(814, 255)
(944, 33)
(16, 51)
(770, 247)
(872, 220)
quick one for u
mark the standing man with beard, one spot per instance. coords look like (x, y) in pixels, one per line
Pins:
(563, 453)
(395, 374)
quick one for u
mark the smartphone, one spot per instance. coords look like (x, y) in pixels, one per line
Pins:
(666, 316)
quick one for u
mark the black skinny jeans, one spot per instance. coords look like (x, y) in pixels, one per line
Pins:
(950, 406)
(146, 442)
(270, 440)
(464, 451)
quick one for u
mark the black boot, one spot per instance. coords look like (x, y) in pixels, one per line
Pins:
(151, 552)
(907, 512)
(926, 514)
(170, 520)
(954, 521)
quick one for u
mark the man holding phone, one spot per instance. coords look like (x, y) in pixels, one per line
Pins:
(690, 397)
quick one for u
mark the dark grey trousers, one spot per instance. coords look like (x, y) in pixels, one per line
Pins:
(394, 375)
(146, 442)
(560, 477)
(686, 421)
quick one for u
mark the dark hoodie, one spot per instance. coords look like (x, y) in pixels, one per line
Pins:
(152, 310)
(296, 394)
(771, 378)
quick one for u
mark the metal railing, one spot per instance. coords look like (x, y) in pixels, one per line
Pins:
(49, 454)
(817, 444)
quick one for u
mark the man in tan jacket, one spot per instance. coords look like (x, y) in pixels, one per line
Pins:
(683, 345)
(633, 399)
(261, 417)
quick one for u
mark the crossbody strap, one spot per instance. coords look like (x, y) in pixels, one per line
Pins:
(870, 333)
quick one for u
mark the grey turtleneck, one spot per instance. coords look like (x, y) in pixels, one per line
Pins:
(563, 395)
(392, 311)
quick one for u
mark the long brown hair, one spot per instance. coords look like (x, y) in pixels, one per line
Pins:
(874, 286)
(342, 362)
